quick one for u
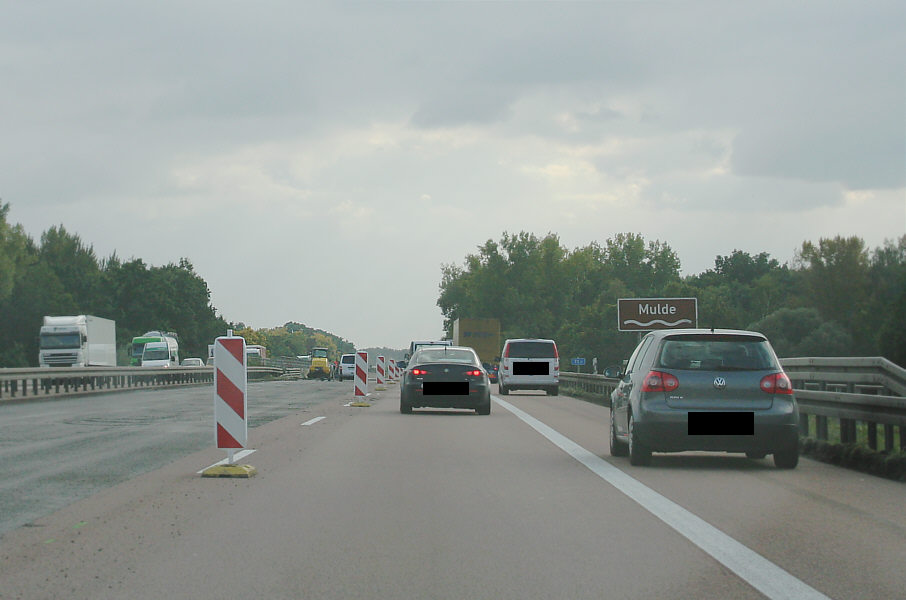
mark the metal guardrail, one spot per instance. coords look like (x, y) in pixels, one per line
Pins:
(592, 384)
(871, 390)
(19, 384)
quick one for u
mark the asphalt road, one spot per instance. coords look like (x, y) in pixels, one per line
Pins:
(524, 503)
(55, 451)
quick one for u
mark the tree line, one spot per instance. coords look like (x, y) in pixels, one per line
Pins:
(836, 297)
(62, 275)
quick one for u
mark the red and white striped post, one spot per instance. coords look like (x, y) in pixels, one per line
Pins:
(361, 375)
(380, 370)
(392, 370)
(230, 394)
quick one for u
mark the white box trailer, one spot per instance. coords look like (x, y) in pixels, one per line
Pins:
(77, 341)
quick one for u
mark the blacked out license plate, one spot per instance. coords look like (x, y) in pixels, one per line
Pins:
(445, 388)
(531, 368)
(722, 423)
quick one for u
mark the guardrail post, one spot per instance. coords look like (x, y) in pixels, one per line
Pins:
(847, 431)
(873, 435)
(803, 424)
(821, 427)
(888, 438)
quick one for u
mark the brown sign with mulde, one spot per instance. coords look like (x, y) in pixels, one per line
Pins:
(647, 314)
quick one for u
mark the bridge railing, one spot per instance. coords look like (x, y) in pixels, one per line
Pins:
(17, 384)
(848, 390)
(870, 390)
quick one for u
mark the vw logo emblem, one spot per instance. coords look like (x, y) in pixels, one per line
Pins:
(720, 383)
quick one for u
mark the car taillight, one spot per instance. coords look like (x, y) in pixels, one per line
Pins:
(419, 372)
(658, 381)
(506, 351)
(475, 373)
(778, 383)
(556, 354)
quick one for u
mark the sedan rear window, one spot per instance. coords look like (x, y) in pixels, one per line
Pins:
(445, 355)
(532, 350)
(716, 353)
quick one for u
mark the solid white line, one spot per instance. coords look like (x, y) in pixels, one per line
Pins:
(756, 570)
(313, 421)
(237, 456)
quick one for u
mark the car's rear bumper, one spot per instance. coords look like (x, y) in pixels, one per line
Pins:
(412, 396)
(668, 431)
(529, 382)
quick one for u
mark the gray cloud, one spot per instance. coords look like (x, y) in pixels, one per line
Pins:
(149, 129)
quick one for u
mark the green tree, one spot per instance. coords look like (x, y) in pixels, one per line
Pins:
(803, 332)
(836, 273)
(12, 252)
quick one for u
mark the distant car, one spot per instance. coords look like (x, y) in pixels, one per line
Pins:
(529, 364)
(704, 389)
(491, 370)
(347, 367)
(192, 362)
(445, 377)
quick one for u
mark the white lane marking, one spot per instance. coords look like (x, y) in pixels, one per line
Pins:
(313, 421)
(756, 570)
(239, 455)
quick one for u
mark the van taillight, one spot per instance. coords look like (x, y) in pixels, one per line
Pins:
(778, 383)
(658, 381)
(506, 351)
(556, 354)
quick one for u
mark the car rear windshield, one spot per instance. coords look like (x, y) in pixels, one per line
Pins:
(348, 359)
(442, 354)
(716, 353)
(531, 350)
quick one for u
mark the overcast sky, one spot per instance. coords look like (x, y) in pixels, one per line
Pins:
(320, 162)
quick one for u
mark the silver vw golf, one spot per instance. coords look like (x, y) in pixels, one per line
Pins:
(704, 389)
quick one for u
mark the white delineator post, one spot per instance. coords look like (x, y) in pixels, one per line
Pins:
(361, 375)
(230, 394)
(380, 370)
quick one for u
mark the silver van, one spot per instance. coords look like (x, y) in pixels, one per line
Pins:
(529, 364)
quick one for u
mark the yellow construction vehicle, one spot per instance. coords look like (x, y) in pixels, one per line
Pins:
(320, 367)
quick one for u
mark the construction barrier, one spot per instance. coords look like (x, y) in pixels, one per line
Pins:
(230, 404)
(380, 370)
(361, 375)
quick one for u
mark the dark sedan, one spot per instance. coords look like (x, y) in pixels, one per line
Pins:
(700, 389)
(445, 377)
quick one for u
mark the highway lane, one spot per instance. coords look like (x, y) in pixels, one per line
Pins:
(371, 503)
(55, 451)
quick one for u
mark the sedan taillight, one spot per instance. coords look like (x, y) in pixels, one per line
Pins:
(419, 372)
(778, 383)
(658, 381)
(475, 373)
